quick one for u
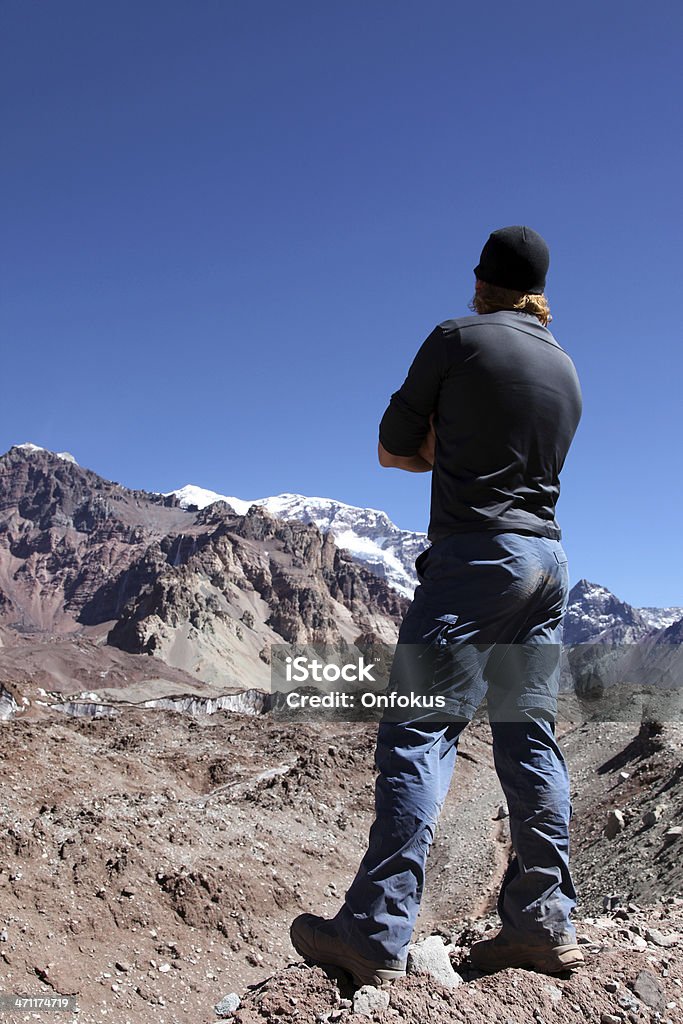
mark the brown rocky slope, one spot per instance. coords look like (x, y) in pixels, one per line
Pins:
(152, 862)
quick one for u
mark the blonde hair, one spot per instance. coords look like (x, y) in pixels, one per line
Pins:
(490, 298)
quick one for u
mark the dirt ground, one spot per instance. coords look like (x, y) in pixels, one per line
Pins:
(151, 863)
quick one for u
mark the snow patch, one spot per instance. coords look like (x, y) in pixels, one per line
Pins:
(661, 618)
(202, 498)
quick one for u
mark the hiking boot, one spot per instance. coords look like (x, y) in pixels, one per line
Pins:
(316, 939)
(506, 949)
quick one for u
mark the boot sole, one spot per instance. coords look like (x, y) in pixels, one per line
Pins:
(362, 972)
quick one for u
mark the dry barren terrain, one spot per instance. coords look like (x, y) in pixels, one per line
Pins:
(151, 863)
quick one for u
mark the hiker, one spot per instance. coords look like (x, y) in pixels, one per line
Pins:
(491, 403)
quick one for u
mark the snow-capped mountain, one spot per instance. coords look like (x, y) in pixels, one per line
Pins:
(366, 533)
(594, 613)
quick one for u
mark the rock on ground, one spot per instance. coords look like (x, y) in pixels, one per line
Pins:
(368, 1000)
(227, 1005)
(430, 956)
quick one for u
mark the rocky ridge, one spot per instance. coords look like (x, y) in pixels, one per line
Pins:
(368, 534)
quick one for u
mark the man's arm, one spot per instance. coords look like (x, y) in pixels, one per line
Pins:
(422, 462)
(413, 463)
(406, 433)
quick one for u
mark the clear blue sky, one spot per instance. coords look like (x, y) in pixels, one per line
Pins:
(230, 225)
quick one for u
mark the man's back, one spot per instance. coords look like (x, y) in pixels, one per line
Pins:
(507, 402)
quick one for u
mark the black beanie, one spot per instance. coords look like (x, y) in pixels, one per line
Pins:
(515, 257)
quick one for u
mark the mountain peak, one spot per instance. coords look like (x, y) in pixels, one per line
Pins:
(589, 591)
(594, 612)
(28, 448)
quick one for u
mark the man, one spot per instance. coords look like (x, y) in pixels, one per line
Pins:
(491, 404)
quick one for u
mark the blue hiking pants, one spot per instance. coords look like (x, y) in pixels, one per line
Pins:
(489, 609)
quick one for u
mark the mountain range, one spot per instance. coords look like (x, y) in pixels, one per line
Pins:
(205, 592)
(390, 552)
(205, 583)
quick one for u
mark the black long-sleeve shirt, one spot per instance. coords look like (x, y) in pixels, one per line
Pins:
(507, 402)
